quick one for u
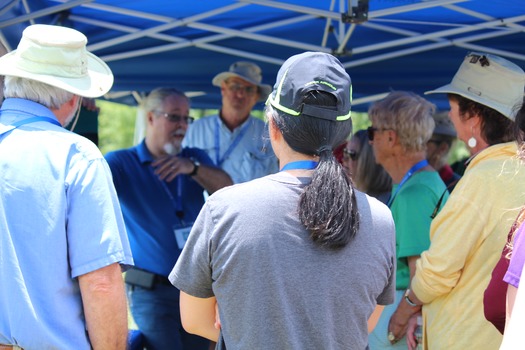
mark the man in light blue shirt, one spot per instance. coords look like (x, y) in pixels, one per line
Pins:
(62, 236)
(236, 141)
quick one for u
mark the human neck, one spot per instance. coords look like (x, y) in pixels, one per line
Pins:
(292, 157)
(232, 118)
(399, 165)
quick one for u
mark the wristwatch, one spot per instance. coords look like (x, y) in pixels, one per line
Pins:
(407, 299)
(196, 165)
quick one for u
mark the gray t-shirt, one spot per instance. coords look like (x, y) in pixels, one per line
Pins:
(275, 288)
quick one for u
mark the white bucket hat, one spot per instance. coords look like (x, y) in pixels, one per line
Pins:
(490, 80)
(57, 56)
(247, 71)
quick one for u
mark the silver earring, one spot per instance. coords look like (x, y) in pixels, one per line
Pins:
(472, 142)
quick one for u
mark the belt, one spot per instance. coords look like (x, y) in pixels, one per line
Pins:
(158, 280)
(10, 347)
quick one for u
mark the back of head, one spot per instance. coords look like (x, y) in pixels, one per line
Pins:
(310, 105)
(409, 115)
(444, 129)
(32, 90)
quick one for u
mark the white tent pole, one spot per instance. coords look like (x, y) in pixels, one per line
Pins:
(166, 26)
(399, 53)
(327, 25)
(43, 12)
(337, 16)
(438, 34)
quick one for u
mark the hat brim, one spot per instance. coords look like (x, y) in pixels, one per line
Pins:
(451, 89)
(95, 83)
(265, 89)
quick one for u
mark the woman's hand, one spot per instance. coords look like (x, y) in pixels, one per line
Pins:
(411, 329)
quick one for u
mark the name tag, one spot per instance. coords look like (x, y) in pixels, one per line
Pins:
(181, 235)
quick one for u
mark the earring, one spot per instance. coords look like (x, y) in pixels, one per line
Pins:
(472, 142)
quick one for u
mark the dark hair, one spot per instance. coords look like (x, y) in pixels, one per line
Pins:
(495, 127)
(519, 130)
(327, 207)
(370, 177)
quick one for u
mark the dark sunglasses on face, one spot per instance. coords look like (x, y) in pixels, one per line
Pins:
(371, 131)
(350, 154)
(175, 118)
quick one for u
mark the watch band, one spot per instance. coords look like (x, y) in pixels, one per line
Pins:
(196, 165)
(407, 299)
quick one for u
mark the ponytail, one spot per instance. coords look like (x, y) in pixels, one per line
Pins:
(327, 207)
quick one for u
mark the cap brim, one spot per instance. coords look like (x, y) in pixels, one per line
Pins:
(265, 89)
(95, 83)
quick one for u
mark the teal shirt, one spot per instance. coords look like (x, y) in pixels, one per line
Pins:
(411, 209)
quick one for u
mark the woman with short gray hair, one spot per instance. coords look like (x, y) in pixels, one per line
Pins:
(402, 124)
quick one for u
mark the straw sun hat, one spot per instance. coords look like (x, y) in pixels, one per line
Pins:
(57, 56)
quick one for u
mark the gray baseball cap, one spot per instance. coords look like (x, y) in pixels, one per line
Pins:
(312, 71)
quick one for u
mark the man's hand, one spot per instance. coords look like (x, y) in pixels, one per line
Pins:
(167, 168)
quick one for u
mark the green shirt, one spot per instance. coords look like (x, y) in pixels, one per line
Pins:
(411, 209)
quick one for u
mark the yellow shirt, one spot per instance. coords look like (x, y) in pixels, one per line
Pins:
(466, 242)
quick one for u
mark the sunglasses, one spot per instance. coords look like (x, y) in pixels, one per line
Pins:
(248, 90)
(350, 154)
(175, 118)
(371, 131)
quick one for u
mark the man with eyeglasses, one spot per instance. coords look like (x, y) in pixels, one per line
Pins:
(160, 186)
(236, 141)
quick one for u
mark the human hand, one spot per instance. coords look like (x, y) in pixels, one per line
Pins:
(411, 329)
(167, 168)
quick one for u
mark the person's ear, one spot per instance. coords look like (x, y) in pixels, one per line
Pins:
(149, 117)
(392, 136)
(275, 133)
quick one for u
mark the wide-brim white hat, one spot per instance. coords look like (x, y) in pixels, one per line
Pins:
(489, 80)
(247, 71)
(57, 56)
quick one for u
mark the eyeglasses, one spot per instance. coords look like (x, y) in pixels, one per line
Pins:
(175, 118)
(350, 154)
(371, 132)
(236, 87)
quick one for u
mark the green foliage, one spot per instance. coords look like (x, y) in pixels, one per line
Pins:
(116, 125)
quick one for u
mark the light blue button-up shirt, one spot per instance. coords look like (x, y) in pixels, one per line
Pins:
(244, 153)
(59, 219)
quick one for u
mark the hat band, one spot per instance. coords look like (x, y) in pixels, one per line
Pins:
(66, 62)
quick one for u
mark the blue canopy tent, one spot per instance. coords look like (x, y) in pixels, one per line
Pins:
(412, 45)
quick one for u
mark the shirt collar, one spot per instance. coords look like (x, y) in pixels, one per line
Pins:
(22, 107)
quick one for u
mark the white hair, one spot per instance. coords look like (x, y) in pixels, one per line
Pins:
(47, 95)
